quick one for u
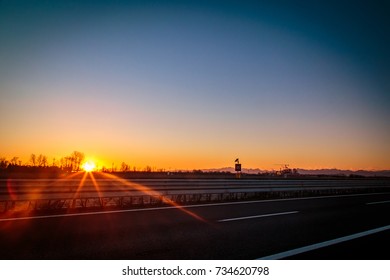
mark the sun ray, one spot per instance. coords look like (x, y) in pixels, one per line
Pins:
(151, 192)
(95, 184)
(10, 190)
(80, 186)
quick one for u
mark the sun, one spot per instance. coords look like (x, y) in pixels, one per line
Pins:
(89, 166)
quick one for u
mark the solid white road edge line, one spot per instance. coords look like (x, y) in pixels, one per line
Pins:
(257, 216)
(378, 202)
(323, 244)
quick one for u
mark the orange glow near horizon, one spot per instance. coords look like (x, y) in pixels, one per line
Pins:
(297, 157)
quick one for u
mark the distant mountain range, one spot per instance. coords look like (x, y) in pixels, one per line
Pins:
(366, 173)
(231, 169)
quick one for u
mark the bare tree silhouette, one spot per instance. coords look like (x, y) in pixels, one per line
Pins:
(3, 163)
(125, 167)
(42, 160)
(33, 160)
(14, 161)
(77, 159)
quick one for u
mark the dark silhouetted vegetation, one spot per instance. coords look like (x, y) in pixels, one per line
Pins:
(39, 166)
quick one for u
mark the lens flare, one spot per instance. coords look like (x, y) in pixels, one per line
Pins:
(89, 166)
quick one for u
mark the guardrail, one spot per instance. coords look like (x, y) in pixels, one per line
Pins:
(45, 188)
(174, 192)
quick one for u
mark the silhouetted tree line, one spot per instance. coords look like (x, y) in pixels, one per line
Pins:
(40, 162)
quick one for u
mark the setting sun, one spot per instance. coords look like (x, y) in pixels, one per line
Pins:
(89, 166)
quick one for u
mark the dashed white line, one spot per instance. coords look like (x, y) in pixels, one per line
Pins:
(323, 244)
(257, 216)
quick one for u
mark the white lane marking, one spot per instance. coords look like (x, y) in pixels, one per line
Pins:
(323, 244)
(281, 199)
(378, 202)
(257, 216)
(184, 206)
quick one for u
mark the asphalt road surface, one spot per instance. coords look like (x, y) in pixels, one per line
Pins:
(321, 228)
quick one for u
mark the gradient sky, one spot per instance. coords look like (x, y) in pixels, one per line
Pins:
(196, 84)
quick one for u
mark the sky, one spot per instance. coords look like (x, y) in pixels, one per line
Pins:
(197, 84)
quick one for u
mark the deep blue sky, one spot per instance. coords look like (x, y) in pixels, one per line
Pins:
(193, 84)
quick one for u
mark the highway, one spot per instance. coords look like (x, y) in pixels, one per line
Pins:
(355, 226)
(82, 191)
